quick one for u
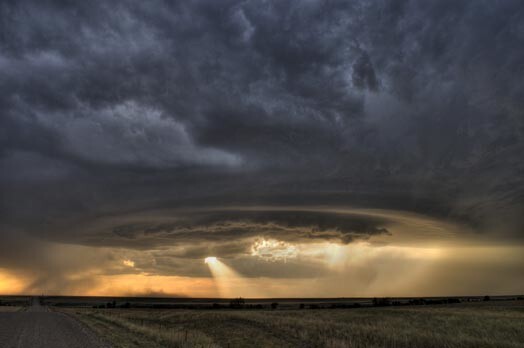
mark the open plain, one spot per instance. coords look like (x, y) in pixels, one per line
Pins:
(460, 325)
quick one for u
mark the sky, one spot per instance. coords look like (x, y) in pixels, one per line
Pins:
(305, 148)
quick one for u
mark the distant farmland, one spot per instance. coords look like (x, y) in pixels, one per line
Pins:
(305, 323)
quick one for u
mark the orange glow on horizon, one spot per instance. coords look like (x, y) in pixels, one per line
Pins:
(10, 284)
(359, 269)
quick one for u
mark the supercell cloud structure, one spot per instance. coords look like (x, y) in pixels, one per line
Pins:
(132, 126)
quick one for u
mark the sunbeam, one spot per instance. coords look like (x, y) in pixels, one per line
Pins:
(229, 283)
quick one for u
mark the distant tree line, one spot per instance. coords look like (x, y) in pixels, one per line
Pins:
(113, 304)
(384, 302)
(240, 303)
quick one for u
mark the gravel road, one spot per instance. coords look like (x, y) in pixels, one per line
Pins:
(37, 327)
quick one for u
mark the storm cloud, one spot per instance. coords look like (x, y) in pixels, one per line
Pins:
(110, 110)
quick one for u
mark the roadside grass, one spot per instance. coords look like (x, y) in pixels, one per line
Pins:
(124, 331)
(10, 309)
(475, 325)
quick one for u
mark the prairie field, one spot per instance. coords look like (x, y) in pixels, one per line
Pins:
(13, 303)
(472, 325)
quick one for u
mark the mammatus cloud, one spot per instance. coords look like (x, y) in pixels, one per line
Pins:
(111, 112)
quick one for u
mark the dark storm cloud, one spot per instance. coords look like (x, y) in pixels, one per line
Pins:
(295, 226)
(109, 108)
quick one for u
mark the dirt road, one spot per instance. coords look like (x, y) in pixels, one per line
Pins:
(37, 327)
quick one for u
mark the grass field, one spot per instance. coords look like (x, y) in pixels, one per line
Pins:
(475, 325)
(13, 303)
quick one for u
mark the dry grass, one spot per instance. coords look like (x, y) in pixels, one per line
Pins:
(465, 325)
(10, 309)
(121, 329)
